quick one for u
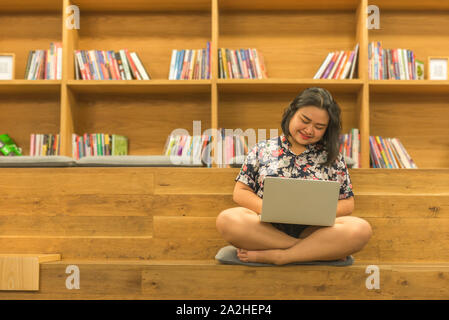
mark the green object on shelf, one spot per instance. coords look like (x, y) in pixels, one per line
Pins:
(8, 147)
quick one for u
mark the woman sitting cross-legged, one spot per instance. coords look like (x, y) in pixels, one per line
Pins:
(307, 149)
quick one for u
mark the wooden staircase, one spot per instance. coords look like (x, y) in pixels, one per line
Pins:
(149, 233)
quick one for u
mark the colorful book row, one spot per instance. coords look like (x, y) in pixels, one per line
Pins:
(109, 65)
(398, 64)
(45, 64)
(44, 145)
(190, 64)
(231, 149)
(339, 65)
(389, 153)
(99, 144)
(193, 149)
(350, 146)
(241, 64)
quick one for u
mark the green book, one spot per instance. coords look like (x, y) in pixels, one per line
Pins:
(8, 147)
(119, 145)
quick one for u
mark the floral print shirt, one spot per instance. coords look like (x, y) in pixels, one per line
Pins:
(274, 158)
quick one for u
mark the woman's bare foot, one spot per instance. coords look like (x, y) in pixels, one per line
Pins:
(264, 256)
(260, 256)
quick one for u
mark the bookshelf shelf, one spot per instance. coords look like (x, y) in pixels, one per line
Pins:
(287, 85)
(30, 86)
(140, 86)
(293, 36)
(409, 86)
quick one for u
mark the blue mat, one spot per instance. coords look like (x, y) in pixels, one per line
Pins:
(228, 255)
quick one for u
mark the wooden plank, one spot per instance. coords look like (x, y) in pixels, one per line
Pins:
(115, 205)
(403, 181)
(19, 273)
(76, 205)
(185, 227)
(201, 180)
(239, 282)
(394, 240)
(407, 240)
(208, 280)
(401, 206)
(110, 247)
(62, 181)
(40, 257)
(61, 225)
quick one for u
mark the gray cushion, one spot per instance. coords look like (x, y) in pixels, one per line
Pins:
(228, 255)
(135, 161)
(36, 161)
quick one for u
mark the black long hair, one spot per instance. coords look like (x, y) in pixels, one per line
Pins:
(321, 98)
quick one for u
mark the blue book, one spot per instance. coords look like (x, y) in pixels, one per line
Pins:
(180, 63)
(100, 62)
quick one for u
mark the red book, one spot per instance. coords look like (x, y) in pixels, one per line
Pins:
(133, 66)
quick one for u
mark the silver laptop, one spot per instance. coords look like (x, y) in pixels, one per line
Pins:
(300, 201)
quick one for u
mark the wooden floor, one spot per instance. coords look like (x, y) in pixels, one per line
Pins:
(149, 233)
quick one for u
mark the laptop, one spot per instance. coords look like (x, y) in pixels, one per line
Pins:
(300, 201)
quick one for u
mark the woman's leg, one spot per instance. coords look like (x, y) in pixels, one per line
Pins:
(347, 236)
(242, 228)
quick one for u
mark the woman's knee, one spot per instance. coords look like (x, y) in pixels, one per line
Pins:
(230, 220)
(359, 231)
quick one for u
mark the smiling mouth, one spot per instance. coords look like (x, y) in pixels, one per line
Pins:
(304, 136)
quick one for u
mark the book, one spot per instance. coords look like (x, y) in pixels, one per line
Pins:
(338, 65)
(108, 65)
(398, 63)
(241, 64)
(45, 64)
(389, 153)
(190, 64)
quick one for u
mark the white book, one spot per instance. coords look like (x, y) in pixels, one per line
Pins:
(323, 66)
(139, 66)
(335, 66)
(402, 156)
(354, 61)
(401, 65)
(387, 142)
(348, 65)
(355, 147)
(138, 72)
(255, 59)
(80, 64)
(59, 65)
(398, 156)
(125, 65)
(33, 65)
(96, 75)
(172, 65)
(409, 158)
(405, 63)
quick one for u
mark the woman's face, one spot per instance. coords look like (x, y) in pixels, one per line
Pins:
(308, 125)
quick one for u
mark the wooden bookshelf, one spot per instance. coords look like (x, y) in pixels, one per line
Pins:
(293, 36)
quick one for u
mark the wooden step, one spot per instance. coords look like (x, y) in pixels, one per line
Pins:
(21, 271)
(44, 182)
(180, 280)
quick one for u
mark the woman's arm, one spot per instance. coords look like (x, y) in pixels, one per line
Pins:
(244, 196)
(345, 207)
